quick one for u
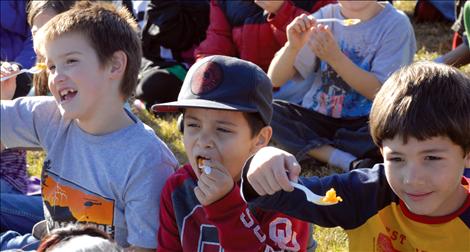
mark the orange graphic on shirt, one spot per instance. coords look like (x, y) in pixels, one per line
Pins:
(76, 205)
(384, 244)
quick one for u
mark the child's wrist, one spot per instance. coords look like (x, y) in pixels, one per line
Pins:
(290, 48)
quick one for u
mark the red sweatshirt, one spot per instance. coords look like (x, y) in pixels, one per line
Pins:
(228, 224)
(241, 29)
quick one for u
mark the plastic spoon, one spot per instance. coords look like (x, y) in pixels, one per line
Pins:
(345, 22)
(33, 70)
(312, 197)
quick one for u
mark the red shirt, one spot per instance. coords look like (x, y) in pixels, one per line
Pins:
(186, 225)
(241, 29)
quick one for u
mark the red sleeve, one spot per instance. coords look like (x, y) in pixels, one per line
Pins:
(218, 36)
(239, 230)
(168, 234)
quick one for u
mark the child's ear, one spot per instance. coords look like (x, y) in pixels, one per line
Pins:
(263, 138)
(118, 64)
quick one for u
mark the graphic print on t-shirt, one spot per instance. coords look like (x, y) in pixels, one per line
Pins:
(334, 97)
(68, 203)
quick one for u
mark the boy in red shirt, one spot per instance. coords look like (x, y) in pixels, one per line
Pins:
(226, 105)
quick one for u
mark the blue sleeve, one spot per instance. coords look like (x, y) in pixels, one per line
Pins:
(364, 193)
(16, 38)
(27, 57)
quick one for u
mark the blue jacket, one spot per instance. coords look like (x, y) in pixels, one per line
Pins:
(16, 44)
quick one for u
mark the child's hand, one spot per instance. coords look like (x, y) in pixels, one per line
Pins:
(299, 30)
(271, 170)
(215, 185)
(269, 5)
(8, 87)
(324, 45)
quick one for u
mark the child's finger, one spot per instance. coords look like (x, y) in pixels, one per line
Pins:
(311, 21)
(259, 186)
(293, 167)
(217, 169)
(272, 184)
(199, 194)
(204, 187)
(282, 179)
(204, 182)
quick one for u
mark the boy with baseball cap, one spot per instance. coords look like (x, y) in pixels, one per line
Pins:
(226, 105)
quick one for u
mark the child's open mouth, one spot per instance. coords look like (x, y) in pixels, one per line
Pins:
(200, 164)
(67, 94)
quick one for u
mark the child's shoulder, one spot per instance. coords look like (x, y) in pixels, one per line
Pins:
(141, 140)
(182, 175)
(393, 15)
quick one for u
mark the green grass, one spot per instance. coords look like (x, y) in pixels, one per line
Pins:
(433, 39)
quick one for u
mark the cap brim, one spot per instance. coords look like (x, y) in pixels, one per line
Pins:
(197, 103)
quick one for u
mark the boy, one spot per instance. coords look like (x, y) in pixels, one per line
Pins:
(103, 165)
(418, 199)
(226, 104)
(345, 66)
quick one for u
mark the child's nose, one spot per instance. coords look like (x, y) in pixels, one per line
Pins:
(57, 77)
(205, 140)
(413, 175)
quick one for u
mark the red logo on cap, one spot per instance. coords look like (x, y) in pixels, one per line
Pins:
(206, 78)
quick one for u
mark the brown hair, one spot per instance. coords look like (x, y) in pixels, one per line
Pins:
(255, 122)
(423, 100)
(107, 29)
(34, 9)
(58, 6)
(60, 236)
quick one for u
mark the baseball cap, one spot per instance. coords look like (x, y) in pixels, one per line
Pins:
(227, 83)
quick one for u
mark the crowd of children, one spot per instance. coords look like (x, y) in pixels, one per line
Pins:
(399, 130)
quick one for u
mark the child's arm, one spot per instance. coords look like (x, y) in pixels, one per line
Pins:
(363, 191)
(241, 229)
(324, 45)
(225, 208)
(168, 234)
(282, 66)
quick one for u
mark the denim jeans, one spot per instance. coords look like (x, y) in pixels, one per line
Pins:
(13, 241)
(18, 212)
(298, 130)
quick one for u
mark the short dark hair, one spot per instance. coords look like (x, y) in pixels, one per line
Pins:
(108, 29)
(58, 6)
(255, 122)
(423, 100)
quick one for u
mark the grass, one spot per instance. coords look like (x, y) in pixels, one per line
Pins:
(433, 39)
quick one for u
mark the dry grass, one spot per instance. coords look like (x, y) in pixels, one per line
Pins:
(433, 39)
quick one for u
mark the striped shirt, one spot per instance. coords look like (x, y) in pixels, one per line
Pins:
(13, 168)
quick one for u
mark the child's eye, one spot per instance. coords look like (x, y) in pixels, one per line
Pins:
(192, 125)
(394, 159)
(432, 158)
(51, 68)
(70, 61)
(224, 130)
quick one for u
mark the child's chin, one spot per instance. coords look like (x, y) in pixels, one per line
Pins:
(67, 115)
